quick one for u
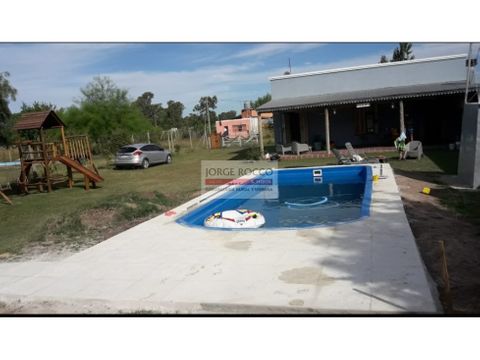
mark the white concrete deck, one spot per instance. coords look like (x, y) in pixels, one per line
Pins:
(368, 266)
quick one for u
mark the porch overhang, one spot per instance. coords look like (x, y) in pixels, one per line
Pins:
(344, 98)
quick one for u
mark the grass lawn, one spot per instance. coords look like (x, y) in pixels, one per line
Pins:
(26, 221)
(435, 162)
(137, 194)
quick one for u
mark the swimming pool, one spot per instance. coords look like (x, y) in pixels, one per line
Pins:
(305, 199)
(9, 163)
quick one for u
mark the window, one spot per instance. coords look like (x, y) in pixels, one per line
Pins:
(126, 150)
(149, 148)
(238, 128)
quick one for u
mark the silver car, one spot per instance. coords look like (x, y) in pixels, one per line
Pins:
(142, 155)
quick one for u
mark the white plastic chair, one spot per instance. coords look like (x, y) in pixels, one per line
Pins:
(283, 148)
(298, 148)
(414, 149)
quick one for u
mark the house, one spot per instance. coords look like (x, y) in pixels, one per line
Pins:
(234, 127)
(370, 105)
(245, 126)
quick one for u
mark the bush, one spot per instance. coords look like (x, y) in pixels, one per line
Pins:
(252, 153)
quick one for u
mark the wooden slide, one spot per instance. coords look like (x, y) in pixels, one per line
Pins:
(7, 199)
(93, 176)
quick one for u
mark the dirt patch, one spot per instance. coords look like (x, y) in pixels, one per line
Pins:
(296, 302)
(150, 195)
(80, 230)
(238, 245)
(98, 219)
(431, 222)
(306, 275)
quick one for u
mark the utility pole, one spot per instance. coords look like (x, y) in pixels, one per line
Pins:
(209, 138)
(208, 118)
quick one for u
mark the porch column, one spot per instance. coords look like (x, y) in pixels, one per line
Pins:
(327, 130)
(260, 136)
(284, 129)
(402, 118)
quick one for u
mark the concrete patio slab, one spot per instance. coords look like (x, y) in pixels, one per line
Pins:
(368, 266)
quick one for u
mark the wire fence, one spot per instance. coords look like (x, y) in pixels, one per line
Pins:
(175, 140)
(8, 154)
(9, 167)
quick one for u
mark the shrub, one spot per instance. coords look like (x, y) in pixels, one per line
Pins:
(252, 153)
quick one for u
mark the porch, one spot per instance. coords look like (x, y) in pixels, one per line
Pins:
(325, 154)
(374, 124)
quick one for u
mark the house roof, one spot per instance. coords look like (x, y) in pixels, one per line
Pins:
(352, 97)
(39, 120)
(370, 66)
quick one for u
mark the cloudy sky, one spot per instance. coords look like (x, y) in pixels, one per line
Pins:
(183, 72)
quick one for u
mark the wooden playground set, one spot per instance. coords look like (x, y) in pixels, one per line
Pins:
(72, 151)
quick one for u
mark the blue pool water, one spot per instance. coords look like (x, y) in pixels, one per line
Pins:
(342, 194)
(9, 163)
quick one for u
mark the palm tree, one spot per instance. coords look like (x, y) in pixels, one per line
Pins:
(403, 52)
(383, 59)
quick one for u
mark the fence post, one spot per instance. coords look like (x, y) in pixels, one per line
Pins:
(446, 278)
(169, 141)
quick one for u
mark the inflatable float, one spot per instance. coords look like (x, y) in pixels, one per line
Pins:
(235, 219)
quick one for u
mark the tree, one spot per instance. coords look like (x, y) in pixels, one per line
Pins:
(210, 101)
(7, 93)
(207, 103)
(232, 114)
(144, 102)
(106, 115)
(173, 115)
(403, 52)
(37, 106)
(262, 100)
(383, 59)
(101, 90)
(194, 121)
(154, 112)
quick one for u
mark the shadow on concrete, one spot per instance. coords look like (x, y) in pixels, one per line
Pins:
(395, 283)
(429, 224)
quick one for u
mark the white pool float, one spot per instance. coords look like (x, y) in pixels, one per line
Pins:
(235, 219)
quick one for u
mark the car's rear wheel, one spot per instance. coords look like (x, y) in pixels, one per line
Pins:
(145, 163)
(169, 159)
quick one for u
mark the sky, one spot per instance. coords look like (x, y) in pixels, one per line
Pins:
(234, 72)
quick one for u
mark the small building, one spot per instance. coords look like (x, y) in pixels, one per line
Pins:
(370, 105)
(245, 126)
(234, 127)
